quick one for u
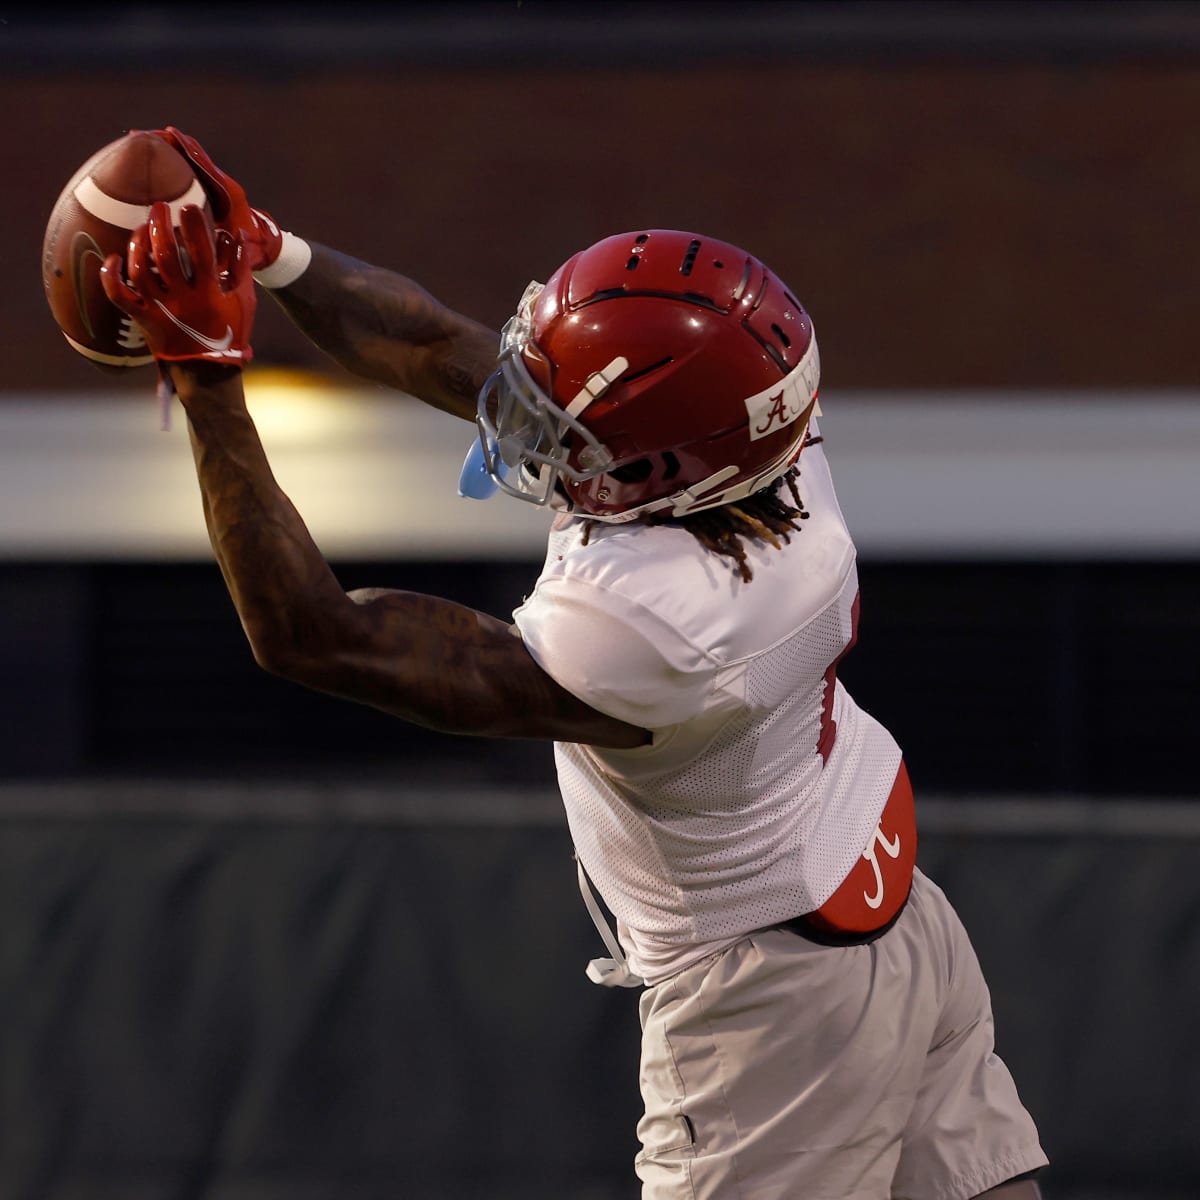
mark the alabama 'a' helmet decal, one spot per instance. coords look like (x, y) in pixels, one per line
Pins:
(656, 370)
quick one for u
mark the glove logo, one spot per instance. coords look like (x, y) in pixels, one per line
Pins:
(219, 345)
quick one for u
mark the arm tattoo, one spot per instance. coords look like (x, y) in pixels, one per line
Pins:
(422, 658)
(382, 326)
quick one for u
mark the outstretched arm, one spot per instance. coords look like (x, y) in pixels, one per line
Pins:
(419, 657)
(383, 326)
(376, 323)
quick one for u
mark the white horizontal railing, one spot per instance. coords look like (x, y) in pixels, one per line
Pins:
(946, 475)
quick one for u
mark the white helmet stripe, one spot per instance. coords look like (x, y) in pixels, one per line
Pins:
(597, 384)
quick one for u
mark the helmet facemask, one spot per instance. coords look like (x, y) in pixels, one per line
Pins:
(527, 436)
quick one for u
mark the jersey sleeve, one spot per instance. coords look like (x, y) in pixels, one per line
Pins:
(614, 654)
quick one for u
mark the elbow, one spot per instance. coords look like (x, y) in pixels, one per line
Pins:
(276, 658)
(312, 646)
(322, 657)
(282, 657)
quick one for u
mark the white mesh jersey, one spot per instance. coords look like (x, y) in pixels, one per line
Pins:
(764, 780)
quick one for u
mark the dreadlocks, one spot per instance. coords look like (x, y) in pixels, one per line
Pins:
(765, 516)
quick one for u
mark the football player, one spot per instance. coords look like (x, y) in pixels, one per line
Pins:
(814, 1018)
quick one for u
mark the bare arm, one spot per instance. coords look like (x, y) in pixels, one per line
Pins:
(385, 327)
(419, 657)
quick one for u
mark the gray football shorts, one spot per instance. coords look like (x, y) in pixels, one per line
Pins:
(780, 1069)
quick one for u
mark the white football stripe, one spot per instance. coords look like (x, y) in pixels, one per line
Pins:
(112, 360)
(129, 216)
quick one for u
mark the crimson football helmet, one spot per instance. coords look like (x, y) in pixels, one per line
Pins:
(656, 370)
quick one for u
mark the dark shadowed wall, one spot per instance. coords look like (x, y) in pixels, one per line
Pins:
(956, 206)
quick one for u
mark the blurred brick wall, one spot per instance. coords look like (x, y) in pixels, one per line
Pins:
(992, 225)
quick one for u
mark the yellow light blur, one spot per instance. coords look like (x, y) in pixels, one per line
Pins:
(294, 406)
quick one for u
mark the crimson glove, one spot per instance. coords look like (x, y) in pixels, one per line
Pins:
(227, 199)
(192, 294)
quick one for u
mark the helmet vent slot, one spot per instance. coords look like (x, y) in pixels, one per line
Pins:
(773, 351)
(689, 258)
(633, 472)
(631, 265)
(662, 362)
(626, 291)
(778, 358)
(672, 465)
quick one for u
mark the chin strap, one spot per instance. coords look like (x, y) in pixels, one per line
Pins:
(607, 972)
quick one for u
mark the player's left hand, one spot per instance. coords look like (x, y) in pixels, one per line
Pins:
(192, 294)
(227, 198)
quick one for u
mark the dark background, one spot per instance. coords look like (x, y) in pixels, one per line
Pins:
(969, 195)
(233, 963)
(1032, 678)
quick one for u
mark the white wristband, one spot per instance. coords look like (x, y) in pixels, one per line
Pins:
(293, 260)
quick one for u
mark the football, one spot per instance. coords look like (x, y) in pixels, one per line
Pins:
(104, 200)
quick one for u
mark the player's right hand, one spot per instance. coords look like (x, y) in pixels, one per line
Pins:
(231, 210)
(191, 294)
